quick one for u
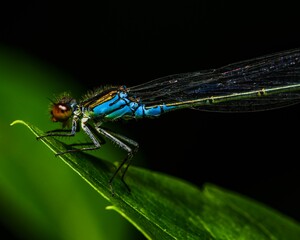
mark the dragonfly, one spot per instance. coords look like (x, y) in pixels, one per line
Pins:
(258, 84)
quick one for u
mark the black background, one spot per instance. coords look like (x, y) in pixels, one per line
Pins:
(121, 42)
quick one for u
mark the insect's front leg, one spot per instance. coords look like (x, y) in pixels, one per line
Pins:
(62, 132)
(87, 130)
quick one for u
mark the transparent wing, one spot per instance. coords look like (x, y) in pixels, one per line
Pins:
(275, 77)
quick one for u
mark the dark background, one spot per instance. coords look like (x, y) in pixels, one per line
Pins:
(129, 43)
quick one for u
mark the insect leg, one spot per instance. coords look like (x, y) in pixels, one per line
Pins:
(62, 132)
(86, 129)
(131, 142)
(122, 145)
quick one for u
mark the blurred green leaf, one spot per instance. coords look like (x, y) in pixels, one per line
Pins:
(163, 207)
(41, 197)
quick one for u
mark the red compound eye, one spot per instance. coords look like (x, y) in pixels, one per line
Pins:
(60, 112)
(62, 108)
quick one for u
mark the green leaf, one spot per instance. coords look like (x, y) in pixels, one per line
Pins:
(163, 207)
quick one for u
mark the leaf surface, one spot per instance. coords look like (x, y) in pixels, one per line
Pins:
(164, 207)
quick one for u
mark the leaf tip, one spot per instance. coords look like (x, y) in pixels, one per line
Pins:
(17, 122)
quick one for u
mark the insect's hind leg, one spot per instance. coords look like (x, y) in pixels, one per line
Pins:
(118, 139)
(135, 147)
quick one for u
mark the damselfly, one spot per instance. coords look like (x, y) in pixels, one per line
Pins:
(262, 83)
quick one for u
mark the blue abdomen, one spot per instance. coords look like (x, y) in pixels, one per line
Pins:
(154, 111)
